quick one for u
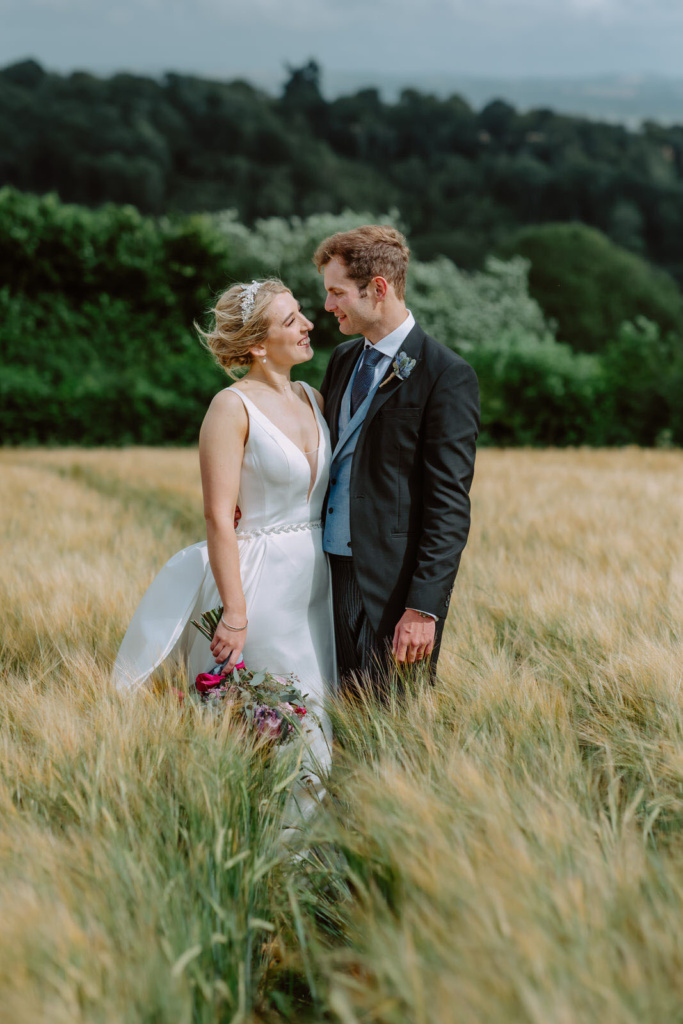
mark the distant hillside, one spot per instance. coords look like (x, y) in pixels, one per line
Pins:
(628, 100)
(619, 99)
(464, 179)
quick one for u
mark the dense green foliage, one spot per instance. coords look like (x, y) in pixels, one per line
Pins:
(97, 344)
(95, 315)
(464, 180)
(589, 286)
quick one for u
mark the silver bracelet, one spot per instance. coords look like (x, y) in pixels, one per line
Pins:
(235, 629)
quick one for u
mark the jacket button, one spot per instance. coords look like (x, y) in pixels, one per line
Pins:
(333, 482)
(348, 544)
(330, 511)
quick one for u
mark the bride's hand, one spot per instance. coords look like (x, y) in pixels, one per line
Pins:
(228, 643)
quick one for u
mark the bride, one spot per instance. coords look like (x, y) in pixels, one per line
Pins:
(264, 446)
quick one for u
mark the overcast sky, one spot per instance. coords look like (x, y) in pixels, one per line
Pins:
(222, 38)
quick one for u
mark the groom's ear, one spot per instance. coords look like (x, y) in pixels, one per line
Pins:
(381, 286)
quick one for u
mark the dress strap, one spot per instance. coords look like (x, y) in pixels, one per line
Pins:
(236, 391)
(248, 407)
(312, 399)
(254, 413)
(271, 428)
(251, 407)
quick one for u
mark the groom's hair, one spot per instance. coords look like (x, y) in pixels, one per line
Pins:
(374, 250)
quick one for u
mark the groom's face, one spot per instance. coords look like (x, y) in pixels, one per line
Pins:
(354, 308)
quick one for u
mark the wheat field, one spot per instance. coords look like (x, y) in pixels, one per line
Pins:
(504, 846)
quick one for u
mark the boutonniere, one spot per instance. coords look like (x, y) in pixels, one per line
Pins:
(402, 368)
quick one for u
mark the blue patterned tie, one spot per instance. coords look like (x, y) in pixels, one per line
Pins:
(364, 377)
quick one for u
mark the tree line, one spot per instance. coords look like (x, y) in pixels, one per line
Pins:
(465, 181)
(97, 344)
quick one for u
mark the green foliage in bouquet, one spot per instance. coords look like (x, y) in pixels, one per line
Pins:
(270, 706)
(208, 622)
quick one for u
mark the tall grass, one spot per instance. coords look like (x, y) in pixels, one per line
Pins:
(502, 846)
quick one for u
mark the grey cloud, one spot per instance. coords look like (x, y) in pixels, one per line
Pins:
(222, 37)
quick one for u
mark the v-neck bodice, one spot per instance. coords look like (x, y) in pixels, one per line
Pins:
(277, 485)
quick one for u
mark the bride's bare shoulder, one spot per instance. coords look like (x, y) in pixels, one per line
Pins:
(226, 411)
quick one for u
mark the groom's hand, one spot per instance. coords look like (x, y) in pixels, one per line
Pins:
(413, 637)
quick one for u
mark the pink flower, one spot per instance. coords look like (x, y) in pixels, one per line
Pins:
(205, 681)
(179, 694)
(292, 709)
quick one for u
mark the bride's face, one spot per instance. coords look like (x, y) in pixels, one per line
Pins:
(288, 342)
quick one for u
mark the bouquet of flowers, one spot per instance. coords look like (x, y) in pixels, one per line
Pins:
(272, 706)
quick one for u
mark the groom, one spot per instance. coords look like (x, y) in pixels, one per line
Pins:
(403, 412)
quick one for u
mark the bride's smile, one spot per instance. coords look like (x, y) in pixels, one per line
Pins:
(288, 340)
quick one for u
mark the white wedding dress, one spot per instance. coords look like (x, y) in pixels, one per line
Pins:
(285, 579)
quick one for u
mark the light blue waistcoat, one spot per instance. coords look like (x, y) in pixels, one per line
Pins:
(337, 535)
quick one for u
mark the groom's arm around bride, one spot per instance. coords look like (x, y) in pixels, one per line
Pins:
(403, 412)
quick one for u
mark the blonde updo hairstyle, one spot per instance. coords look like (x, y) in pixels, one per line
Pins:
(233, 335)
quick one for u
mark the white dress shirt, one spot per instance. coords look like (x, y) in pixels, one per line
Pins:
(389, 346)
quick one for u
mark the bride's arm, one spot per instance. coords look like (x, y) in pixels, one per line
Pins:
(221, 450)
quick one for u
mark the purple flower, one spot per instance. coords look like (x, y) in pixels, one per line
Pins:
(268, 721)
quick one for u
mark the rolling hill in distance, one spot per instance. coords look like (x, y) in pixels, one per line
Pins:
(625, 99)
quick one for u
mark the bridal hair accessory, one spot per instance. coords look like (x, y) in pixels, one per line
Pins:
(248, 299)
(402, 368)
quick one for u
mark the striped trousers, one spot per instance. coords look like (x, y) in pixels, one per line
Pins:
(364, 659)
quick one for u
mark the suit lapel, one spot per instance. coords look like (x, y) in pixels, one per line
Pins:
(339, 385)
(412, 346)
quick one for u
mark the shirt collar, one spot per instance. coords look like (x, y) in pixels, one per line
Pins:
(390, 344)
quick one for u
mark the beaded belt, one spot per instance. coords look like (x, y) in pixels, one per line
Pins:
(287, 528)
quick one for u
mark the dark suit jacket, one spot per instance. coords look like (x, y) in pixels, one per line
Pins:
(410, 478)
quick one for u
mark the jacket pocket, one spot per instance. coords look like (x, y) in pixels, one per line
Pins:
(397, 427)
